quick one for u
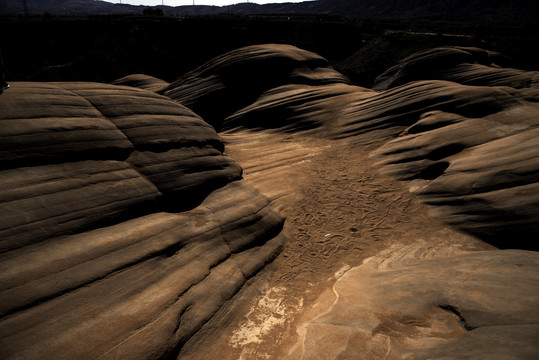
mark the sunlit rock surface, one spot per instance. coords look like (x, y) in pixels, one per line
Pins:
(412, 302)
(235, 79)
(124, 228)
(468, 150)
(481, 174)
(462, 134)
(142, 81)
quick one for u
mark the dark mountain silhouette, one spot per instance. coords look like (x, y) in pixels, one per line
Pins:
(91, 7)
(427, 9)
(66, 7)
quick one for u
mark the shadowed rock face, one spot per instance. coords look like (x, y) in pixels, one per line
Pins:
(464, 65)
(97, 260)
(233, 80)
(353, 112)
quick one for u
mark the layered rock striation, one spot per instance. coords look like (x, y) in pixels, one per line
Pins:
(415, 302)
(142, 81)
(480, 174)
(233, 80)
(124, 226)
(463, 65)
(462, 132)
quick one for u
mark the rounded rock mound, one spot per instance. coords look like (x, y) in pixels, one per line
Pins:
(233, 80)
(123, 226)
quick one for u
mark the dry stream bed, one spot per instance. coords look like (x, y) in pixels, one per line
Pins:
(340, 211)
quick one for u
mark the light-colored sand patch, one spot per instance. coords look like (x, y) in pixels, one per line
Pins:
(270, 311)
(341, 271)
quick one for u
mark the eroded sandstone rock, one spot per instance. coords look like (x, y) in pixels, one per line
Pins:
(398, 305)
(235, 79)
(463, 65)
(142, 81)
(124, 226)
(299, 108)
(481, 174)
(127, 227)
(430, 125)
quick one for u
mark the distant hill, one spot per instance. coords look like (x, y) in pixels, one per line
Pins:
(65, 7)
(433, 9)
(96, 7)
(523, 10)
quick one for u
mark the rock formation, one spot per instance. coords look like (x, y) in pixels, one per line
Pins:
(142, 81)
(128, 233)
(463, 65)
(405, 303)
(235, 79)
(124, 227)
(463, 136)
(491, 128)
(479, 173)
(299, 108)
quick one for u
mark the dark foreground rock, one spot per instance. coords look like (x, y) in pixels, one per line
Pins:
(124, 227)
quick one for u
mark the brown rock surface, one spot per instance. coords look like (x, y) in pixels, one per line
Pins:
(430, 293)
(166, 268)
(403, 302)
(97, 260)
(491, 130)
(405, 305)
(138, 289)
(39, 202)
(342, 111)
(463, 65)
(299, 108)
(235, 79)
(43, 122)
(142, 81)
(175, 148)
(477, 172)
(339, 212)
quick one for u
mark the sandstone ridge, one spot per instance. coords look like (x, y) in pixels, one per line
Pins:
(462, 130)
(124, 226)
(127, 231)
